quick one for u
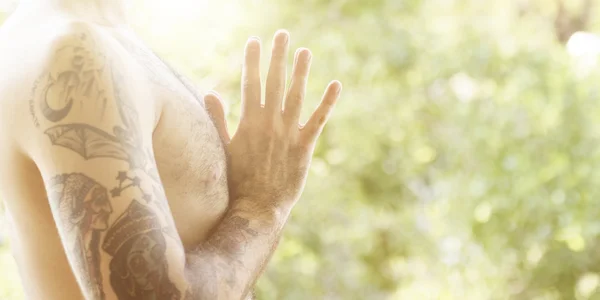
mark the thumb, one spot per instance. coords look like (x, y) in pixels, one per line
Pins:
(214, 106)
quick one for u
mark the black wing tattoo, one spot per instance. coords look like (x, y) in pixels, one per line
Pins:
(88, 141)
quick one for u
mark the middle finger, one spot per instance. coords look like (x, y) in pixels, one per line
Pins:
(277, 73)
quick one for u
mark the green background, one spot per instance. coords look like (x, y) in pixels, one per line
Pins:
(460, 163)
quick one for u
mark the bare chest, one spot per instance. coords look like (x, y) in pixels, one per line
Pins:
(188, 151)
(192, 165)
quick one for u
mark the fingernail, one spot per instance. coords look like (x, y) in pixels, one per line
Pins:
(213, 93)
(338, 87)
(308, 55)
(287, 37)
(296, 55)
(305, 53)
(253, 45)
(281, 37)
(254, 38)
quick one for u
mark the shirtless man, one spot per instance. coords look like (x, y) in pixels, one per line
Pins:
(117, 183)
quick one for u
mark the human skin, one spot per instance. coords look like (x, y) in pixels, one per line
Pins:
(101, 173)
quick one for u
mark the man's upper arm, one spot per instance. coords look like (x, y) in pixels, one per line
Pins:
(94, 130)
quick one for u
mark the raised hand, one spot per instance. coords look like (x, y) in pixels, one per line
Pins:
(270, 152)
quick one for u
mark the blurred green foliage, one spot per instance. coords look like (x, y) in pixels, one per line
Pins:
(460, 163)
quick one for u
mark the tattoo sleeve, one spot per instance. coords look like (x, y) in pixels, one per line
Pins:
(227, 265)
(83, 208)
(101, 177)
(107, 199)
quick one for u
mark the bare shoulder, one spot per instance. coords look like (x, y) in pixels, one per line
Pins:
(26, 52)
(25, 49)
(75, 67)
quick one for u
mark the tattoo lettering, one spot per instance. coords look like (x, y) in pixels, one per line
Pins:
(36, 122)
(138, 269)
(84, 209)
(80, 70)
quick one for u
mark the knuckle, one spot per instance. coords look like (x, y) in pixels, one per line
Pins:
(295, 99)
(275, 92)
(278, 53)
(302, 74)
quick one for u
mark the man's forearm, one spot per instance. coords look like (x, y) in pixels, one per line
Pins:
(227, 265)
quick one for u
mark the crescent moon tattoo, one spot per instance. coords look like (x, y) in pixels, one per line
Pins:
(50, 113)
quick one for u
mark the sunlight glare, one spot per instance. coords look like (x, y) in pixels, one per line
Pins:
(584, 47)
(198, 20)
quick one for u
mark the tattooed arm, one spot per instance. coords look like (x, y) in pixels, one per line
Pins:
(93, 147)
(94, 150)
